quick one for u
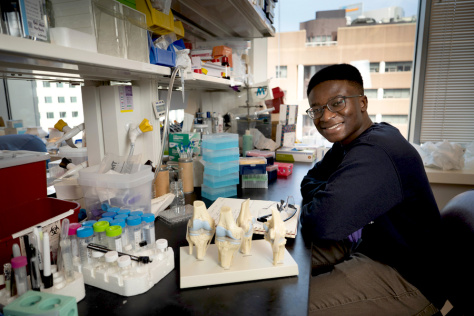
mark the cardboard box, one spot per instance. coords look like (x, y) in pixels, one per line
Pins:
(292, 154)
(220, 51)
(183, 139)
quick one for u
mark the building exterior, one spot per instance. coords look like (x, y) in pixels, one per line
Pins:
(387, 50)
(59, 101)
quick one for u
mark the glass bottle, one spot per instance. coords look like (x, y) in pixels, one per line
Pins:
(111, 262)
(180, 197)
(125, 266)
(161, 248)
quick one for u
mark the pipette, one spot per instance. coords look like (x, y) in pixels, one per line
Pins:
(66, 251)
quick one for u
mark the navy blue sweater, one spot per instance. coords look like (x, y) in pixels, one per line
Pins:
(378, 183)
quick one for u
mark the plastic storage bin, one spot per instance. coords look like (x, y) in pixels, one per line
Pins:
(158, 22)
(284, 169)
(212, 193)
(109, 28)
(220, 141)
(221, 169)
(222, 155)
(136, 34)
(220, 181)
(253, 165)
(255, 181)
(269, 155)
(74, 14)
(130, 191)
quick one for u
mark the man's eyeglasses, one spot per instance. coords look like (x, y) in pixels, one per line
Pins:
(333, 105)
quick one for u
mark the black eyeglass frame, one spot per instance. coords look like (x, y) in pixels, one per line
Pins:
(312, 113)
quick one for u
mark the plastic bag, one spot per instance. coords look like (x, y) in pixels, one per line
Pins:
(116, 163)
(443, 155)
(164, 41)
(162, 5)
(261, 142)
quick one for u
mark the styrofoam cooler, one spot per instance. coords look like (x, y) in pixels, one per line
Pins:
(126, 191)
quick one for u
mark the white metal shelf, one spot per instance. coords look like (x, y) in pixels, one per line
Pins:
(223, 19)
(26, 59)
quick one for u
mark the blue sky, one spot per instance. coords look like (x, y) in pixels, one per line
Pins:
(292, 12)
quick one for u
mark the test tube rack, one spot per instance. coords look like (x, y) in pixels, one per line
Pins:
(146, 276)
(74, 288)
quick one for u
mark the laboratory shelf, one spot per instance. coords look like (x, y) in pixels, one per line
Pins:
(22, 58)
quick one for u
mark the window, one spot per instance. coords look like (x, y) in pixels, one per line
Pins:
(59, 84)
(282, 72)
(73, 99)
(442, 104)
(371, 93)
(398, 66)
(62, 114)
(75, 114)
(48, 99)
(72, 85)
(61, 100)
(309, 71)
(46, 84)
(374, 67)
(396, 93)
(50, 115)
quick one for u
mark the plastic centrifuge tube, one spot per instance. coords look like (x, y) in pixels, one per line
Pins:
(114, 237)
(99, 231)
(111, 259)
(85, 236)
(73, 238)
(7, 272)
(134, 231)
(66, 250)
(148, 229)
(98, 261)
(125, 264)
(161, 248)
(19, 268)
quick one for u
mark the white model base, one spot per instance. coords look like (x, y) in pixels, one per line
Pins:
(256, 266)
(145, 277)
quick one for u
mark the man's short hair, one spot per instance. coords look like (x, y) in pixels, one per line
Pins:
(337, 72)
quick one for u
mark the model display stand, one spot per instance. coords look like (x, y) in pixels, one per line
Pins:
(221, 263)
(256, 266)
(146, 275)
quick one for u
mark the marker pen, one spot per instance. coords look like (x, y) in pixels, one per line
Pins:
(48, 278)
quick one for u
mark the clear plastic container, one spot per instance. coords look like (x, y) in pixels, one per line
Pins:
(161, 248)
(222, 155)
(127, 191)
(77, 155)
(121, 222)
(220, 141)
(220, 181)
(253, 165)
(21, 279)
(136, 34)
(269, 155)
(109, 28)
(111, 262)
(212, 193)
(125, 266)
(221, 169)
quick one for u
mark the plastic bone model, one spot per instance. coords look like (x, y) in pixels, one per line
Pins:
(275, 234)
(200, 230)
(246, 221)
(228, 237)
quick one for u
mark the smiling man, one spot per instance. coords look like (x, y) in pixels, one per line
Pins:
(368, 210)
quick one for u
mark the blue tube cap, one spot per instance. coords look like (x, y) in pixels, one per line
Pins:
(89, 223)
(134, 220)
(118, 222)
(124, 211)
(107, 219)
(109, 214)
(148, 217)
(121, 216)
(136, 213)
(84, 232)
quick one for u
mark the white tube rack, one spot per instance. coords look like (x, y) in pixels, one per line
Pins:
(147, 275)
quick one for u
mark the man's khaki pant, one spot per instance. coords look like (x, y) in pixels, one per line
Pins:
(356, 285)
